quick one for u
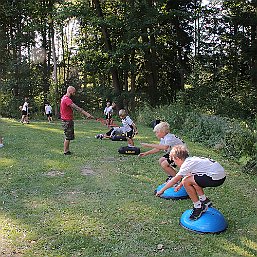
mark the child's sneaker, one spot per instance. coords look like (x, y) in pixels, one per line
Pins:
(197, 212)
(207, 202)
(99, 136)
(168, 178)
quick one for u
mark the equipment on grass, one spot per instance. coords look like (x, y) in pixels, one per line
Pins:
(171, 194)
(118, 138)
(211, 221)
(129, 150)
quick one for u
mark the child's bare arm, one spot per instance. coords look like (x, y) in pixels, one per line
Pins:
(158, 146)
(169, 184)
(152, 151)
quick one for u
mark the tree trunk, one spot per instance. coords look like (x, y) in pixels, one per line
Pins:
(151, 70)
(108, 45)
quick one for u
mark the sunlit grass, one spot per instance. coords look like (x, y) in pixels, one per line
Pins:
(49, 207)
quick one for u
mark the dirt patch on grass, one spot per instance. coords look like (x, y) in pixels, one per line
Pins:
(87, 171)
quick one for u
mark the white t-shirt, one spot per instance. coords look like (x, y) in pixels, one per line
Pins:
(25, 107)
(171, 140)
(108, 110)
(202, 166)
(127, 123)
(48, 109)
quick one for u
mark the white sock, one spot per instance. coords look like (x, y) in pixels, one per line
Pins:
(197, 204)
(202, 197)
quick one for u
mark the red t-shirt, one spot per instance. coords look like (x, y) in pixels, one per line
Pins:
(66, 110)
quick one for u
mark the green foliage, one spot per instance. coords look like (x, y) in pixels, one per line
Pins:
(174, 114)
(233, 138)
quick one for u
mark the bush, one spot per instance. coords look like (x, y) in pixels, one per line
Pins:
(232, 138)
(173, 114)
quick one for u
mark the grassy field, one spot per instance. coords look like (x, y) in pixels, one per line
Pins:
(99, 203)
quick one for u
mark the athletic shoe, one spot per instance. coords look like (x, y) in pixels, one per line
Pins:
(99, 136)
(1, 145)
(67, 153)
(168, 178)
(197, 212)
(207, 202)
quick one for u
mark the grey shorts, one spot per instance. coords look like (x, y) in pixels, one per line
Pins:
(68, 128)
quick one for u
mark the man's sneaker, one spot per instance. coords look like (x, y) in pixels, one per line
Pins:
(207, 202)
(197, 212)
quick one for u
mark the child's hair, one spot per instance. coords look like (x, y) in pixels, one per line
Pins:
(162, 126)
(122, 112)
(179, 151)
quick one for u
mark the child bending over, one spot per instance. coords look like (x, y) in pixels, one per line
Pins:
(167, 141)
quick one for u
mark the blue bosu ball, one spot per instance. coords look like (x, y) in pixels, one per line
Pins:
(171, 194)
(212, 221)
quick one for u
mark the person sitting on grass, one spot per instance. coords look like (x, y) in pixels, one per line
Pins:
(128, 128)
(197, 173)
(167, 141)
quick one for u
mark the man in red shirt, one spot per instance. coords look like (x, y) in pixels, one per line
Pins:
(66, 110)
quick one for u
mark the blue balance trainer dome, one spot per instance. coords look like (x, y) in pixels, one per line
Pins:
(171, 194)
(212, 221)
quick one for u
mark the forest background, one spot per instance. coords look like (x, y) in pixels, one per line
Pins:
(192, 63)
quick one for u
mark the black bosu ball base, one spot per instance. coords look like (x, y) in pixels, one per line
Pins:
(129, 150)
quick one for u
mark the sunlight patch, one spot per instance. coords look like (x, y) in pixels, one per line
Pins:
(7, 162)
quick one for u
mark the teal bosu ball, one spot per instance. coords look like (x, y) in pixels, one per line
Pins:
(171, 194)
(212, 221)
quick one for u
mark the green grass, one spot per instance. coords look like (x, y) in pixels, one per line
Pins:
(99, 203)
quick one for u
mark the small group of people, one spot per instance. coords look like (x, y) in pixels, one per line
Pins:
(194, 173)
(25, 112)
